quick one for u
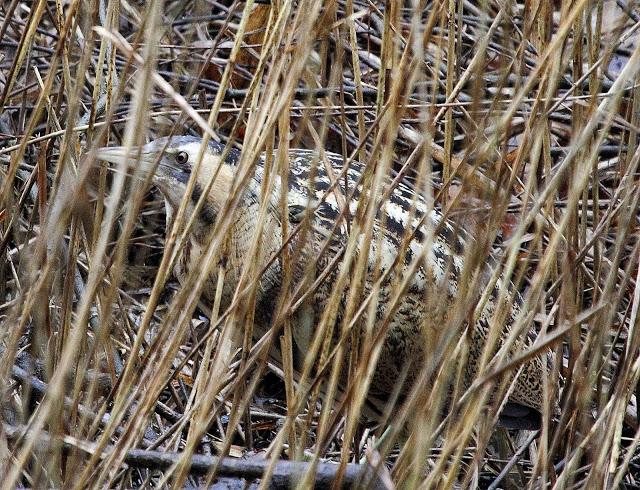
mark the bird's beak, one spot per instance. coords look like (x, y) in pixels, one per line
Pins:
(136, 157)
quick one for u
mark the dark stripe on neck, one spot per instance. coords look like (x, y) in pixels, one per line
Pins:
(207, 212)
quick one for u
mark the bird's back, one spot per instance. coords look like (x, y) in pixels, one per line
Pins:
(410, 247)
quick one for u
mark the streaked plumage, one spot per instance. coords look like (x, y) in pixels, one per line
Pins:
(416, 325)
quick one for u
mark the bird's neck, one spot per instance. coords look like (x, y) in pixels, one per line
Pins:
(251, 242)
(254, 240)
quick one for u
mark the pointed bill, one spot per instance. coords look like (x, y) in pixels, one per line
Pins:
(137, 157)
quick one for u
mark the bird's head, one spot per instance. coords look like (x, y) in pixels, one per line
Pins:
(171, 160)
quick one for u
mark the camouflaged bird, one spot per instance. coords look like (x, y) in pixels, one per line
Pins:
(421, 312)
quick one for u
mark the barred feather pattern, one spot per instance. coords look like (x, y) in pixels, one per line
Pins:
(415, 329)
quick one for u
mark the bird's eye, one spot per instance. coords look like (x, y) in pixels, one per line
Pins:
(182, 157)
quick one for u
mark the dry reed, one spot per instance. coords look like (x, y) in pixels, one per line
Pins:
(517, 119)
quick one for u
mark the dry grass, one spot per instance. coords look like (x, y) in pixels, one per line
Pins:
(519, 120)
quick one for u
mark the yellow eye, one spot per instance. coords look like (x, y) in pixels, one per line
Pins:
(182, 157)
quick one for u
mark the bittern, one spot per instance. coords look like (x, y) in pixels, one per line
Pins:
(409, 240)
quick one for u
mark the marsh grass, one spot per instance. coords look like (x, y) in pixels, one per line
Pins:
(519, 121)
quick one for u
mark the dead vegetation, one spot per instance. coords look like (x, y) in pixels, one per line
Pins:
(519, 119)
